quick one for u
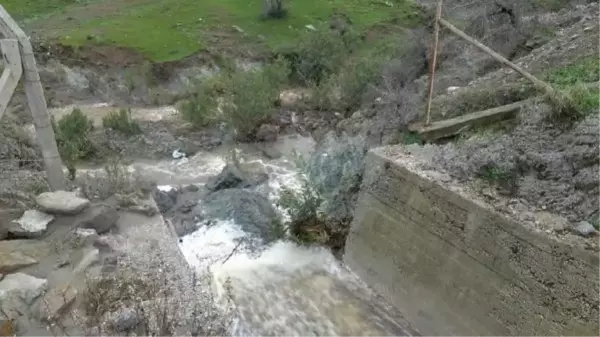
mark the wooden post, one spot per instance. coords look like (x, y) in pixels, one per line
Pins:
(432, 65)
(538, 83)
(12, 71)
(37, 101)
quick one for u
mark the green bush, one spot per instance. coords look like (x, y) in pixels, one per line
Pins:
(121, 121)
(319, 55)
(356, 78)
(242, 99)
(200, 109)
(72, 136)
(251, 97)
(306, 223)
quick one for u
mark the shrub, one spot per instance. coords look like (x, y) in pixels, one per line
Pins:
(251, 97)
(121, 121)
(200, 109)
(382, 69)
(319, 55)
(242, 99)
(356, 78)
(72, 136)
(306, 223)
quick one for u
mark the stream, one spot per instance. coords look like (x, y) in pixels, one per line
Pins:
(280, 288)
(275, 287)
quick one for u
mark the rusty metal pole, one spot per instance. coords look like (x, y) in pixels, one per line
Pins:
(436, 37)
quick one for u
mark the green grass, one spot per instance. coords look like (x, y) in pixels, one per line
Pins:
(585, 70)
(571, 80)
(168, 30)
(31, 9)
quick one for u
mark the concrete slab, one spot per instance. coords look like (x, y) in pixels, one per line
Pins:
(454, 266)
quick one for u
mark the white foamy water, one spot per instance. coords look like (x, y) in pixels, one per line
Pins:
(286, 289)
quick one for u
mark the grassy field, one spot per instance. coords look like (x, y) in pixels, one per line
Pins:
(165, 30)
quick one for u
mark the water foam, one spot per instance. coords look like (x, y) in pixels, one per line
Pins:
(285, 289)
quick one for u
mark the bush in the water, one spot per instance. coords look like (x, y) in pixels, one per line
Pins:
(306, 223)
(121, 121)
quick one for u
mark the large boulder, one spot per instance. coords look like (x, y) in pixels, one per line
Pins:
(18, 291)
(11, 261)
(56, 301)
(251, 210)
(61, 202)
(32, 224)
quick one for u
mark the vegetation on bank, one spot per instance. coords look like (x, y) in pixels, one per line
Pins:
(342, 70)
(169, 30)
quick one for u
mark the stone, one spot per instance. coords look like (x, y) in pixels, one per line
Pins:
(124, 319)
(19, 287)
(101, 218)
(291, 98)
(86, 234)
(233, 176)
(56, 301)
(267, 133)
(165, 199)
(551, 221)
(32, 224)
(136, 204)
(89, 258)
(13, 261)
(94, 331)
(584, 228)
(249, 209)
(61, 202)
(451, 90)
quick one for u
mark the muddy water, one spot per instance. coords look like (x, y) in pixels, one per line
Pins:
(281, 289)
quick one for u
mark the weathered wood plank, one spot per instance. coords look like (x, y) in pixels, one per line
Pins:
(12, 71)
(453, 126)
(36, 101)
(9, 27)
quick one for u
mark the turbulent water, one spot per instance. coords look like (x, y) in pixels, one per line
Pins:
(282, 288)
(279, 288)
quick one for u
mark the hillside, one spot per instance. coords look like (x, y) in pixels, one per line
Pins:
(170, 30)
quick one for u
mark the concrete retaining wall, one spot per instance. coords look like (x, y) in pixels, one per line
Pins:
(455, 267)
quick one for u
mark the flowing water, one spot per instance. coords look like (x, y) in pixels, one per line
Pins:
(280, 288)
(283, 288)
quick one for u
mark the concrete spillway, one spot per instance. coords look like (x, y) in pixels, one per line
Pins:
(453, 266)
